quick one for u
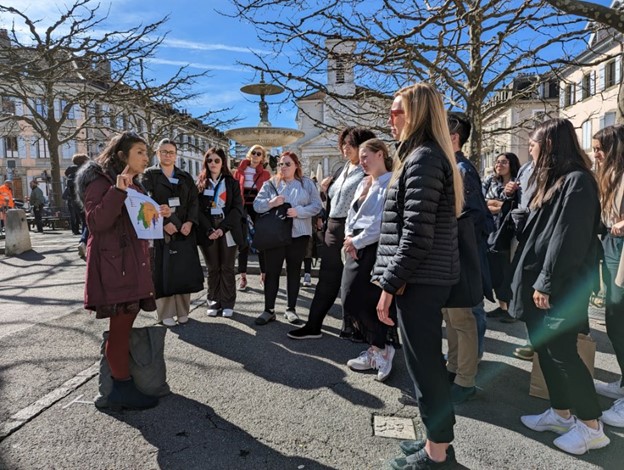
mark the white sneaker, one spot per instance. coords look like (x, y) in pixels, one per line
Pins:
(614, 416)
(612, 390)
(307, 280)
(183, 319)
(548, 421)
(382, 361)
(169, 322)
(228, 312)
(363, 361)
(212, 312)
(291, 316)
(581, 438)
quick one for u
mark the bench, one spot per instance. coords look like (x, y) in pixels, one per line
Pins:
(53, 222)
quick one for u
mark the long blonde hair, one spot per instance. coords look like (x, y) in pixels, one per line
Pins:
(426, 119)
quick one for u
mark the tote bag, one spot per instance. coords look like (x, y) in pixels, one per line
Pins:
(147, 364)
(182, 271)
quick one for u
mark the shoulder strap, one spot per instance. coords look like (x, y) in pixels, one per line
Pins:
(274, 188)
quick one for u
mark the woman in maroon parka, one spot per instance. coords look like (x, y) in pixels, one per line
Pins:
(119, 279)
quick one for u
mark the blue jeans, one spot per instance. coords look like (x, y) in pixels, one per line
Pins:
(479, 313)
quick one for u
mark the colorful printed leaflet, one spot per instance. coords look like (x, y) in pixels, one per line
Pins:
(143, 212)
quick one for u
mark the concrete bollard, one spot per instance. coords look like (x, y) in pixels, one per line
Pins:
(17, 239)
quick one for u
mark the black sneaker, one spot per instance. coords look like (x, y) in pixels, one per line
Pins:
(411, 447)
(420, 460)
(496, 313)
(506, 318)
(304, 332)
(461, 394)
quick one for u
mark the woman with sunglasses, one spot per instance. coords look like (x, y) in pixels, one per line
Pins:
(220, 230)
(250, 175)
(418, 259)
(288, 186)
(119, 278)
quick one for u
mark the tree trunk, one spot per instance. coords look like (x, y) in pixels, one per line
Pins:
(56, 196)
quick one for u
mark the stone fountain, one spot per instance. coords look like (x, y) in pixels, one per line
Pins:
(264, 133)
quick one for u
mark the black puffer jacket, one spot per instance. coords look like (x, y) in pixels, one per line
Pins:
(418, 243)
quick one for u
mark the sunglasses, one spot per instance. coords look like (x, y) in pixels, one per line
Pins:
(257, 154)
(286, 164)
(215, 160)
(396, 112)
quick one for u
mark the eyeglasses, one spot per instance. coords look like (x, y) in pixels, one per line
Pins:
(170, 153)
(502, 162)
(256, 154)
(396, 112)
(286, 164)
(215, 160)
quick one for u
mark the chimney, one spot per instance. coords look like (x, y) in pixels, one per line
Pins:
(4, 38)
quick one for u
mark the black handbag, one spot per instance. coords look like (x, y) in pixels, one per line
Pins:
(500, 239)
(468, 292)
(182, 271)
(273, 228)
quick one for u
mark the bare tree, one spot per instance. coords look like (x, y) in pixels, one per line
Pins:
(62, 76)
(469, 49)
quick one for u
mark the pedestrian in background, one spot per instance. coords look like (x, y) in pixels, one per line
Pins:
(554, 270)
(339, 191)
(220, 229)
(118, 280)
(6, 200)
(608, 145)
(78, 160)
(418, 260)
(359, 296)
(37, 201)
(288, 186)
(170, 185)
(250, 175)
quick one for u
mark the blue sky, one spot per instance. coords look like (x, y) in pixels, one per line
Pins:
(197, 36)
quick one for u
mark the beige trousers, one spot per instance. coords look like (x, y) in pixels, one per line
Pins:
(461, 334)
(173, 306)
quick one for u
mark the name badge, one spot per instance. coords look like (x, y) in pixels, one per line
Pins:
(216, 211)
(174, 180)
(174, 202)
(208, 192)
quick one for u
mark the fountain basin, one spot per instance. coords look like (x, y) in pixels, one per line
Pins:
(266, 136)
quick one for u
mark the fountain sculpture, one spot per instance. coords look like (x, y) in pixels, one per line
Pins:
(264, 133)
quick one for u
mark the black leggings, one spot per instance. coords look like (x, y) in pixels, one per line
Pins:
(243, 254)
(274, 259)
(330, 274)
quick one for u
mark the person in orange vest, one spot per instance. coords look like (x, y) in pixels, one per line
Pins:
(6, 200)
